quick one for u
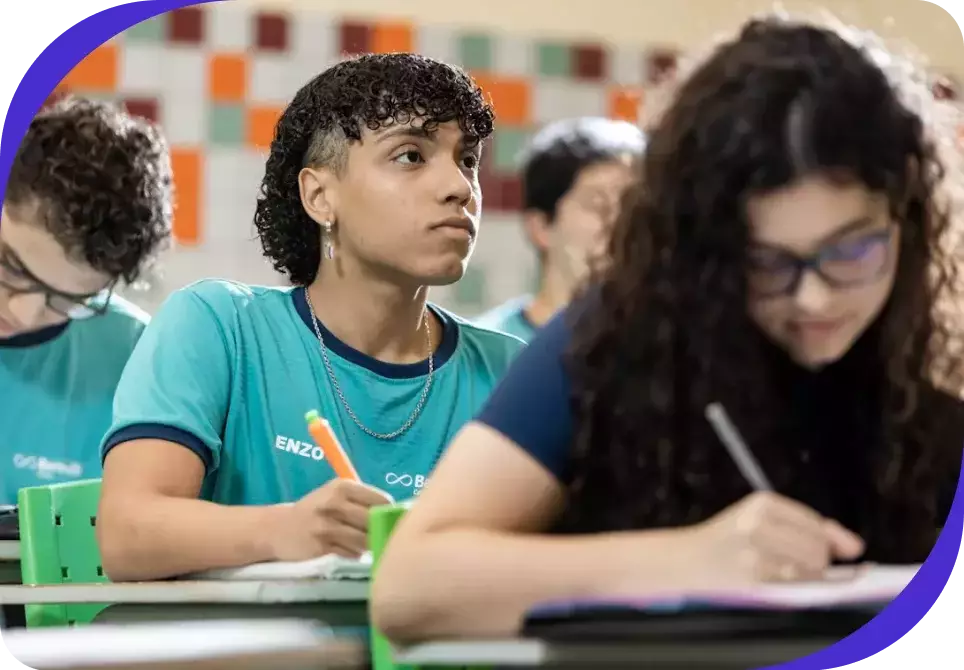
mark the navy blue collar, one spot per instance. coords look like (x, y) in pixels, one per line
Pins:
(34, 338)
(450, 339)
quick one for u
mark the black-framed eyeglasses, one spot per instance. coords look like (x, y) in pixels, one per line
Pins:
(843, 264)
(17, 280)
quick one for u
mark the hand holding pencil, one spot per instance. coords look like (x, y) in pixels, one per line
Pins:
(332, 519)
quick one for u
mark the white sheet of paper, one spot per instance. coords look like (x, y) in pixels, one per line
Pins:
(329, 566)
(157, 642)
(843, 586)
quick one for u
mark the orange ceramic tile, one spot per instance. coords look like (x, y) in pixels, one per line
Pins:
(98, 72)
(510, 97)
(392, 38)
(625, 104)
(227, 77)
(260, 123)
(186, 164)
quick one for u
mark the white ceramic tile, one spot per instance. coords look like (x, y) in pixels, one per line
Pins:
(183, 72)
(141, 69)
(230, 26)
(271, 80)
(437, 42)
(513, 55)
(555, 99)
(626, 64)
(184, 118)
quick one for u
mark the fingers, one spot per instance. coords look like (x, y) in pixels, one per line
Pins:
(844, 544)
(366, 495)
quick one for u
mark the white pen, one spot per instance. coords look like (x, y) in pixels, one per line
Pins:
(739, 452)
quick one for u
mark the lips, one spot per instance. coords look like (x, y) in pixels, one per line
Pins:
(458, 223)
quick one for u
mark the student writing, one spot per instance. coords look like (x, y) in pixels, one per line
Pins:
(370, 197)
(786, 253)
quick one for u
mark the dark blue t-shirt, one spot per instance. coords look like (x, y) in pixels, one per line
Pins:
(531, 405)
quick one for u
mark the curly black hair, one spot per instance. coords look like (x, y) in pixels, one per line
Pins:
(665, 331)
(99, 181)
(328, 113)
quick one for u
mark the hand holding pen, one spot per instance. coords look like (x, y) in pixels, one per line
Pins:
(766, 536)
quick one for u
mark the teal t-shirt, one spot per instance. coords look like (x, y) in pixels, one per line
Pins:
(56, 394)
(510, 317)
(229, 371)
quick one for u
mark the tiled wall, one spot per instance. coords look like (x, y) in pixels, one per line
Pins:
(217, 76)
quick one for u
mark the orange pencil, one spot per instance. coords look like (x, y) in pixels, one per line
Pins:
(324, 437)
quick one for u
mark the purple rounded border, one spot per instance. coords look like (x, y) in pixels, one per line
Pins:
(70, 48)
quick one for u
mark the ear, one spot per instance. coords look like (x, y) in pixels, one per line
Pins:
(538, 229)
(319, 193)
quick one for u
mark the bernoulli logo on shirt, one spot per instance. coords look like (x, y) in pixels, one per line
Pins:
(304, 449)
(47, 468)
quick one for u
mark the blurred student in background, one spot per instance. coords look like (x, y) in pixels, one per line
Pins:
(87, 205)
(370, 197)
(786, 253)
(574, 173)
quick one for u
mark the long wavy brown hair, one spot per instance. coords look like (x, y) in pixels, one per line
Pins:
(871, 439)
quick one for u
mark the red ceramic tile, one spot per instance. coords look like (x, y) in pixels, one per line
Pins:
(589, 62)
(491, 191)
(511, 194)
(356, 38)
(271, 31)
(660, 65)
(143, 107)
(186, 25)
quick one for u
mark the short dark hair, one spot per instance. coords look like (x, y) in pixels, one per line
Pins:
(99, 180)
(329, 113)
(562, 150)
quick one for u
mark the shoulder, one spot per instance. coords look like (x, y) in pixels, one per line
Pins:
(117, 330)
(224, 299)
(495, 346)
(497, 316)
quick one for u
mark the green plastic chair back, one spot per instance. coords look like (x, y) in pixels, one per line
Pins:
(381, 524)
(58, 545)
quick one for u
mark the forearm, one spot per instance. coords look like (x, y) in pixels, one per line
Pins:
(156, 537)
(479, 583)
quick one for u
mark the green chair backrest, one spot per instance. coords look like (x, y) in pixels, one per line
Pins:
(381, 524)
(58, 545)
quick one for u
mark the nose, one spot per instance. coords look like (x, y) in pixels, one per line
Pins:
(457, 184)
(813, 295)
(28, 309)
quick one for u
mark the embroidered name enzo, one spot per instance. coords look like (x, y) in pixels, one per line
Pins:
(303, 449)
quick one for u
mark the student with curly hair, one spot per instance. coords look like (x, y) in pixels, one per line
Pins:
(574, 173)
(88, 202)
(787, 254)
(370, 197)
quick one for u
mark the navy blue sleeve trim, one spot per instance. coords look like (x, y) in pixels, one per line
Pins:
(159, 431)
(530, 406)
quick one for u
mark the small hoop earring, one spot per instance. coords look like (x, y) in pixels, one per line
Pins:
(329, 247)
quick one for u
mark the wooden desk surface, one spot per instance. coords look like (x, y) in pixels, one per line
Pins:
(176, 591)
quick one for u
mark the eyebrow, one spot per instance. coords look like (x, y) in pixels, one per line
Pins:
(844, 230)
(11, 257)
(403, 131)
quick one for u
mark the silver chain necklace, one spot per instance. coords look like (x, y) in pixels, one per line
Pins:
(344, 401)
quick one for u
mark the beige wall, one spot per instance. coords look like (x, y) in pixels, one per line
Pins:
(683, 23)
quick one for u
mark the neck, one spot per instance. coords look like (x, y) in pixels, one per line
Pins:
(555, 292)
(374, 316)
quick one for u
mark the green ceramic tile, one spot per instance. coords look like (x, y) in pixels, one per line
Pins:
(226, 124)
(555, 60)
(475, 51)
(508, 143)
(470, 290)
(151, 30)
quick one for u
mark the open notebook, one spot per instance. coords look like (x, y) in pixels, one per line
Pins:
(850, 586)
(325, 567)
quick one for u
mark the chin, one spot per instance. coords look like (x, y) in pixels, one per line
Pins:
(444, 273)
(821, 358)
